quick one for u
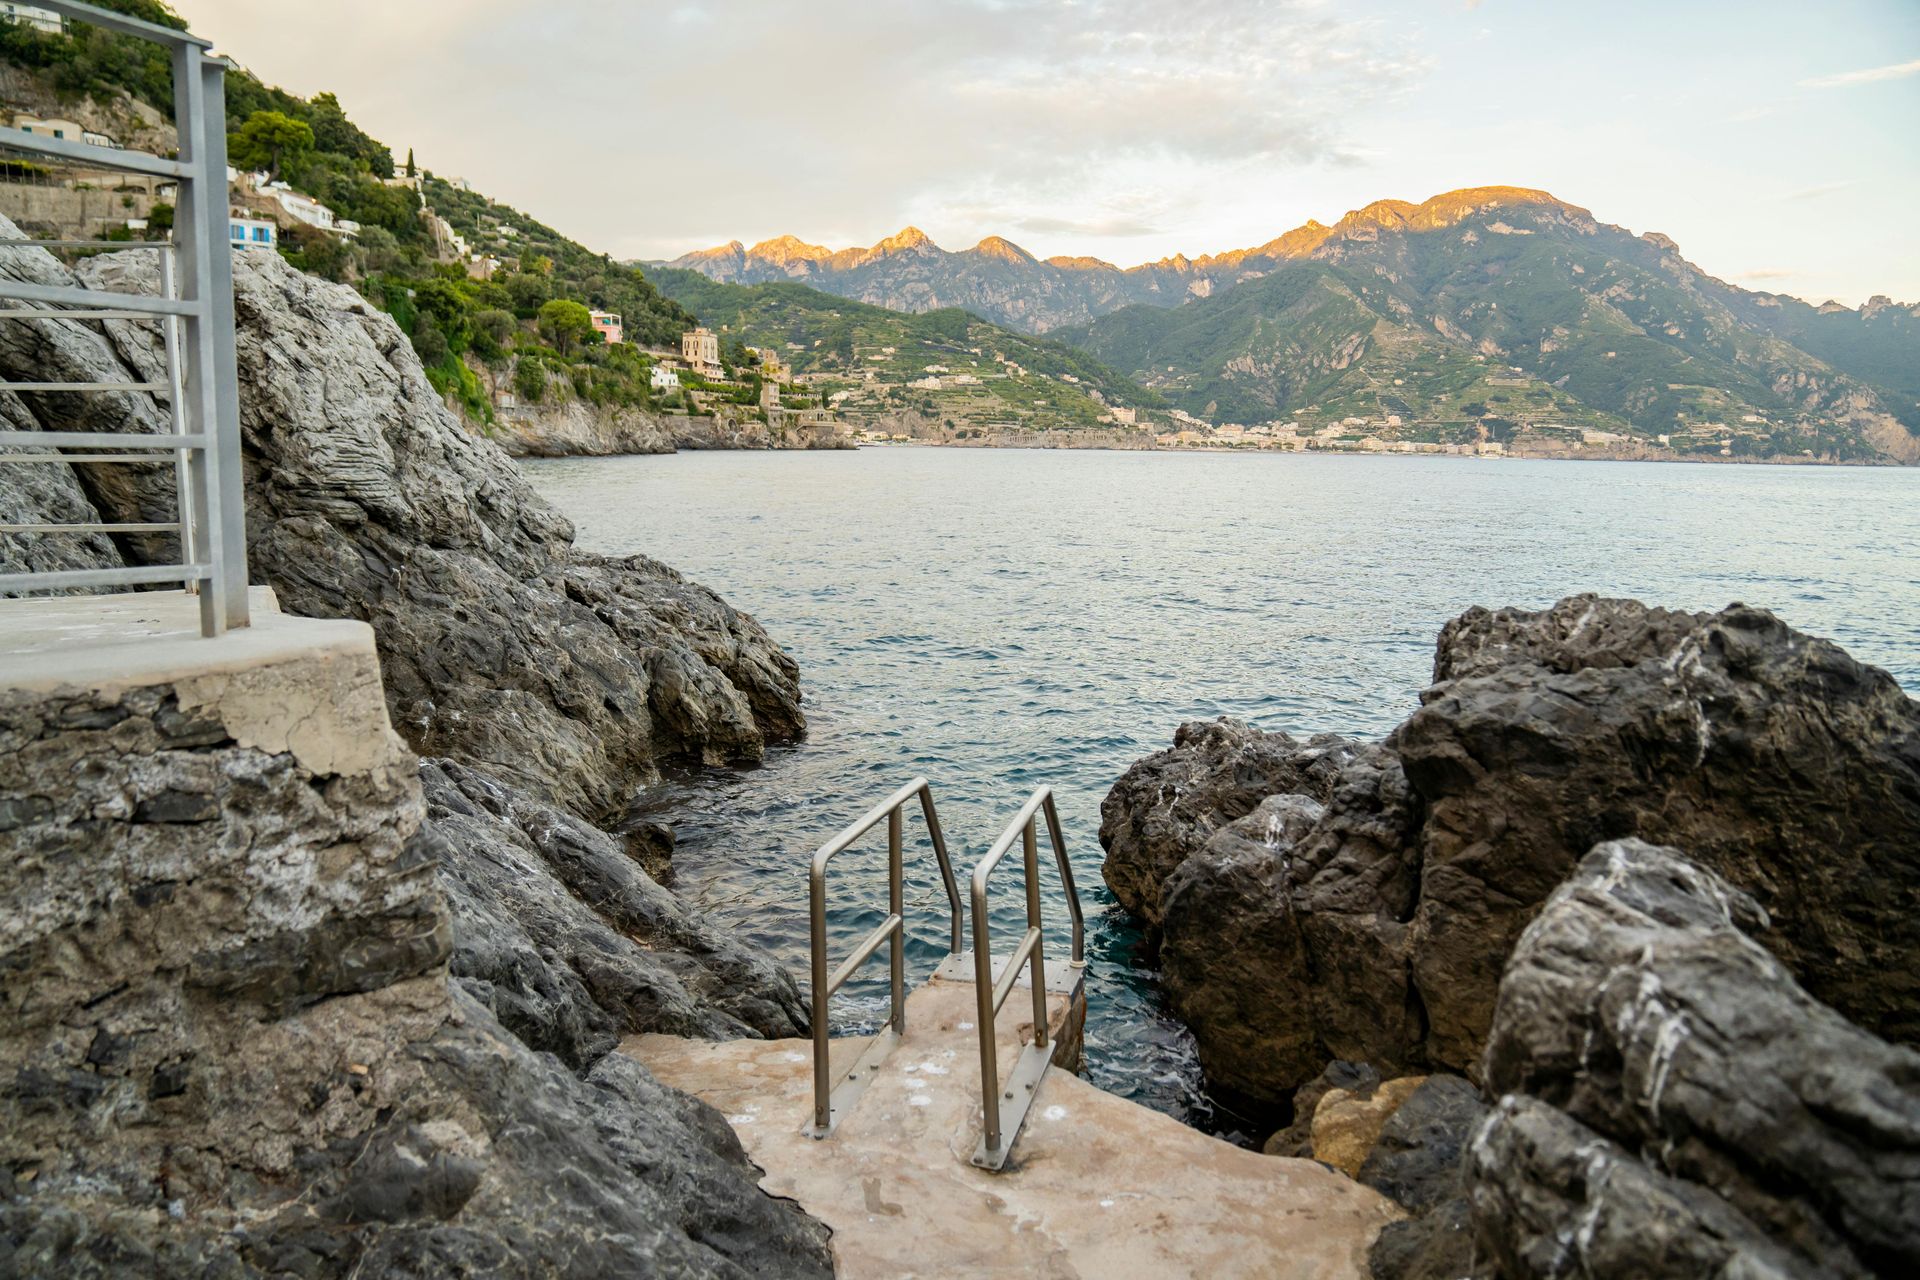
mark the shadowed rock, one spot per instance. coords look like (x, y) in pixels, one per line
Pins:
(1379, 935)
(1665, 1078)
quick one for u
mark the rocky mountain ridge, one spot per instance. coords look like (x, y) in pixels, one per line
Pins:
(1498, 315)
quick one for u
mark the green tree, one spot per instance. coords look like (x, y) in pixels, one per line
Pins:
(491, 328)
(269, 140)
(444, 302)
(530, 379)
(565, 324)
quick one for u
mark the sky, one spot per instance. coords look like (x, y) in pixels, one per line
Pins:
(1777, 141)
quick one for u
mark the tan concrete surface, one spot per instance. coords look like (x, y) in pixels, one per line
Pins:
(1098, 1187)
(309, 686)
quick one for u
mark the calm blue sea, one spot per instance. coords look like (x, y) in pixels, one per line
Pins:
(1000, 619)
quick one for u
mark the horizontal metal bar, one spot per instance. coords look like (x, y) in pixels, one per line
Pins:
(101, 440)
(132, 575)
(68, 294)
(83, 386)
(888, 927)
(147, 458)
(90, 528)
(122, 23)
(1021, 954)
(43, 313)
(164, 246)
(99, 157)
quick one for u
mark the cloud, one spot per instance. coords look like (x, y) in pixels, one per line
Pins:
(1823, 189)
(649, 130)
(1847, 79)
(1766, 273)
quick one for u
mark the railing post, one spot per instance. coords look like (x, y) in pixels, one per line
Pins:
(225, 424)
(822, 1067)
(896, 906)
(1030, 854)
(983, 994)
(191, 230)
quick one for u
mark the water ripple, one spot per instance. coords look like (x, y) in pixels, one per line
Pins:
(998, 620)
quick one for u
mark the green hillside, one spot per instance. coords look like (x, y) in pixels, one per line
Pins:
(874, 356)
(1504, 320)
(459, 325)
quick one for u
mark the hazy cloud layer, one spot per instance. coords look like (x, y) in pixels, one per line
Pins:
(968, 116)
(1134, 129)
(1846, 79)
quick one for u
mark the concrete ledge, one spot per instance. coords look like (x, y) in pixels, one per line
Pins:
(310, 686)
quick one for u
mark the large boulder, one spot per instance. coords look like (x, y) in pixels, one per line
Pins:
(1673, 1102)
(1772, 757)
(1379, 933)
(1166, 806)
(228, 1041)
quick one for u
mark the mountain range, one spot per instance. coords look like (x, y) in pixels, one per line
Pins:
(1496, 307)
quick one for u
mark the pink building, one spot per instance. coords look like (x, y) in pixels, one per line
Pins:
(608, 324)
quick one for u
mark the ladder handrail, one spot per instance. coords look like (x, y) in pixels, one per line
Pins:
(893, 927)
(1031, 951)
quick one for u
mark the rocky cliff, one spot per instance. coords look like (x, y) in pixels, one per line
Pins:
(1688, 1056)
(550, 684)
(1380, 898)
(229, 1044)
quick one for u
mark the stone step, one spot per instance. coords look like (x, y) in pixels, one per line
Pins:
(1097, 1186)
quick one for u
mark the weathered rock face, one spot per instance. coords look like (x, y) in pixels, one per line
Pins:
(1771, 757)
(1168, 805)
(1673, 1101)
(567, 675)
(228, 1043)
(574, 979)
(1313, 896)
(1379, 933)
(1416, 1162)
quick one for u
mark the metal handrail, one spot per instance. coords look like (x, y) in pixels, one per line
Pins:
(195, 310)
(992, 1152)
(831, 1099)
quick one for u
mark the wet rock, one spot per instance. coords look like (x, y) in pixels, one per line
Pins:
(1168, 805)
(1672, 1099)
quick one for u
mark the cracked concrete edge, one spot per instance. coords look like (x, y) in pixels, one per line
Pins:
(306, 686)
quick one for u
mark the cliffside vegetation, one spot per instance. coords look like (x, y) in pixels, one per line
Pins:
(463, 327)
(888, 362)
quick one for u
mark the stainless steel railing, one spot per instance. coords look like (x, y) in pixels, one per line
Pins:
(195, 310)
(1024, 1081)
(832, 1099)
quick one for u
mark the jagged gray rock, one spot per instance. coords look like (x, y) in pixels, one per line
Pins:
(575, 979)
(1773, 758)
(568, 675)
(1166, 806)
(229, 1045)
(1670, 1095)
(1379, 935)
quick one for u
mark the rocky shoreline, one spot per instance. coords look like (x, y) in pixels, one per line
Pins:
(1602, 963)
(407, 1070)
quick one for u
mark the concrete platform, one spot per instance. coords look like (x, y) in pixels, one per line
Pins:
(1098, 1187)
(309, 686)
